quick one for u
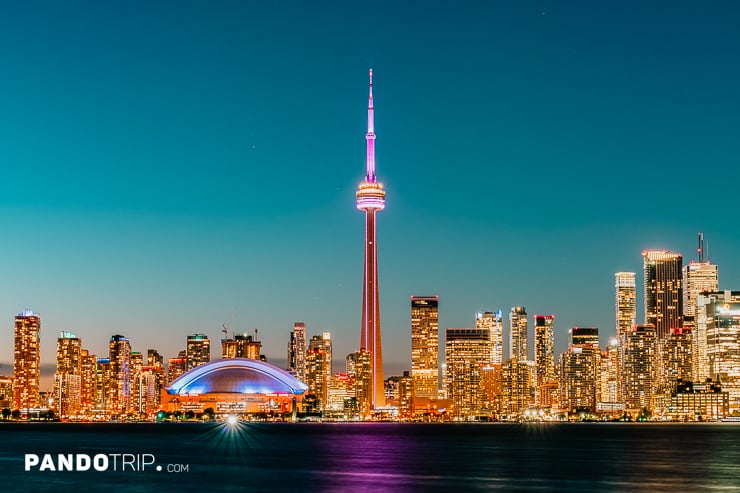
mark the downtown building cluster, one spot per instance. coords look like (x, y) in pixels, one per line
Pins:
(122, 384)
(681, 362)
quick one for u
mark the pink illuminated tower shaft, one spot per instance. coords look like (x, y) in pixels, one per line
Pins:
(370, 199)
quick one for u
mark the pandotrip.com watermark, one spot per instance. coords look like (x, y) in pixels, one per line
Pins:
(123, 462)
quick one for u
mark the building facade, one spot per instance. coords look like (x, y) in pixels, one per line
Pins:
(640, 357)
(198, 350)
(544, 356)
(663, 290)
(722, 313)
(26, 368)
(68, 377)
(579, 370)
(493, 323)
(425, 346)
(297, 351)
(466, 353)
(119, 402)
(518, 333)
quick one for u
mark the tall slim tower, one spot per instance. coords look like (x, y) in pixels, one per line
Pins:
(663, 291)
(26, 373)
(493, 323)
(68, 377)
(625, 302)
(371, 199)
(544, 354)
(698, 277)
(120, 375)
(297, 351)
(518, 333)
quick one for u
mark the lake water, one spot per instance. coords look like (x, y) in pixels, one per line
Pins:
(307, 457)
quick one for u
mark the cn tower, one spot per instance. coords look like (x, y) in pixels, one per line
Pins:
(371, 199)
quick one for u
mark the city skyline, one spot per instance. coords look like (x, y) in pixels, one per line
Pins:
(157, 207)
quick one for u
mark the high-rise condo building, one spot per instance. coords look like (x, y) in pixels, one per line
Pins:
(241, 346)
(178, 366)
(425, 346)
(102, 385)
(493, 323)
(544, 355)
(371, 199)
(611, 377)
(640, 359)
(297, 351)
(363, 382)
(722, 314)
(121, 374)
(517, 384)
(406, 396)
(579, 369)
(663, 290)
(319, 366)
(699, 276)
(625, 308)
(87, 384)
(518, 333)
(198, 350)
(676, 360)
(26, 369)
(68, 377)
(466, 352)
(625, 302)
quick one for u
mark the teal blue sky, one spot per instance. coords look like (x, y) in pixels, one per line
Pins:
(169, 167)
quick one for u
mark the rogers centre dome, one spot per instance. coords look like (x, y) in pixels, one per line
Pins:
(237, 375)
(234, 385)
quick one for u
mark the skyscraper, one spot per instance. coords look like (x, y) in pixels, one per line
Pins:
(518, 333)
(625, 308)
(318, 366)
(639, 366)
(676, 360)
(371, 199)
(68, 377)
(466, 352)
(722, 311)
(517, 386)
(26, 373)
(625, 302)
(698, 277)
(544, 354)
(241, 346)
(493, 323)
(425, 345)
(87, 375)
(363, 382)
(297, 351)
(663, 293)
(198, 350)
(579, 367)
(120, 374)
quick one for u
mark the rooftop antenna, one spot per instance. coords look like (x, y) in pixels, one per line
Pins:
(701, 247)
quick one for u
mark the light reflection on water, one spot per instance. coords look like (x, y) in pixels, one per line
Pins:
(387, 457)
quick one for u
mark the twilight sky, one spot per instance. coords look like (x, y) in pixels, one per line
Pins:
(168, 167)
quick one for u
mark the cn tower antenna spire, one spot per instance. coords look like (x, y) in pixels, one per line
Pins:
(370, 136)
